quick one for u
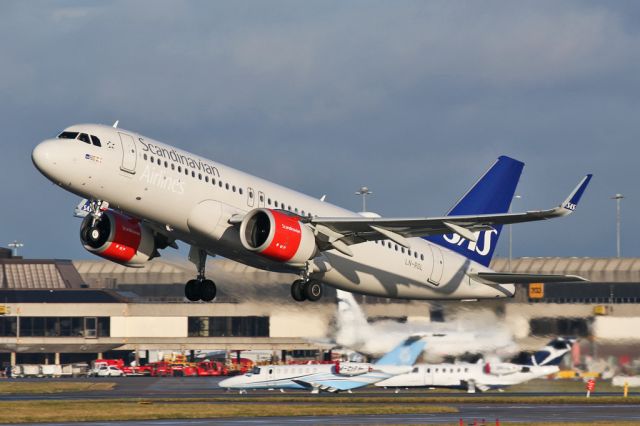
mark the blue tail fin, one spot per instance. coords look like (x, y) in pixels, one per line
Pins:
(404, 354)
(490, 195)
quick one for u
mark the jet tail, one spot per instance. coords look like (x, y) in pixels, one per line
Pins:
(492, 194)
(551, 354)
(404, 354)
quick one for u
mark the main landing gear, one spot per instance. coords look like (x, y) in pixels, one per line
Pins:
(306, 289)
(201, 288)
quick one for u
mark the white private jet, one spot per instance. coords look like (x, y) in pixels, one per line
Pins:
(482, 375)
(145, 195)
(480, 333)
(341, 376)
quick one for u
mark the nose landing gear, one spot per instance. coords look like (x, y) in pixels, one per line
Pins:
(201, 288)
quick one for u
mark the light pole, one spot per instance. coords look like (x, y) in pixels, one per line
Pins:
(15, 245)
(618, 197)
(517, 197)
(364, 191)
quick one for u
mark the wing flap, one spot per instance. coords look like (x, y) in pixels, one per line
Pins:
(495, 278)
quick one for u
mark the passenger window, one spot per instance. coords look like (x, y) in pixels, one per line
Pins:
(68, 135)
(199, 176)
(396, 247)
(275, 203)
(302, 212)
(296, 210)
(269, 201)
(152, 159)
(84, 138)
(240, 191)
(144, 156)
(389, 244)
(193, 174)
(226, 186)
(166, 165)
(179, 169)
(428, 370)
(213, 181)
(415, 254)
(220, 183)
(186, 171)
(95, 140)
(173, 166)
(206, 178)
(261, 197)
(159, 162)
(402, 250)
(233, 188)
(422, 257)
(289, 208)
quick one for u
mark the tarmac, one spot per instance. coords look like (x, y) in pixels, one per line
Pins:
(194, 387)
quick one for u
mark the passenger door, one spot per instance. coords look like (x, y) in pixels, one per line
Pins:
(129, 154)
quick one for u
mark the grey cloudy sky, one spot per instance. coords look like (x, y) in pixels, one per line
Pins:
(413, 99)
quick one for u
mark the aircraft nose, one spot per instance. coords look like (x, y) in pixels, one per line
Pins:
(42, 156)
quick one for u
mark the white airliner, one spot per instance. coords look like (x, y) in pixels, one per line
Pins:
(479, 334)
(482, 375)
(145, 195)
(342, 376)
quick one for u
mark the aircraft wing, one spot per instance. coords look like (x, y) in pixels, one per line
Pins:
(339, 233)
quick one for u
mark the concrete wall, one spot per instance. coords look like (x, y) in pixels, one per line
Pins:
(149, 327)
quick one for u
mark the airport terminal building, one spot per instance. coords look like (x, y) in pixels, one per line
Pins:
(61, 311)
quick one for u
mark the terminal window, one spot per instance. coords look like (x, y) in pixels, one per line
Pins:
(63, 327)
(229, 326)
(8, 326)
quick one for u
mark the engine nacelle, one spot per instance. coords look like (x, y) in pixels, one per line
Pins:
(352, 368)
(278, 236)
(501, 369)
(118, 238)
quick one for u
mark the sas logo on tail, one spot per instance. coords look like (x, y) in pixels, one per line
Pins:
(570, 206)
(482, 245)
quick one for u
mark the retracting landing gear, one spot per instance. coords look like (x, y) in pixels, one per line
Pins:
(201, 288)
(302, 290)
(96, 207)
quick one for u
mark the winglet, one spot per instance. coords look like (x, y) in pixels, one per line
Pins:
(571, 203)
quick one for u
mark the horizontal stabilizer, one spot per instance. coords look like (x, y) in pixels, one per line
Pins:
(510, 278)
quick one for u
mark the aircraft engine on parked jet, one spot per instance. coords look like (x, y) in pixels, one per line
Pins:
(279, 236)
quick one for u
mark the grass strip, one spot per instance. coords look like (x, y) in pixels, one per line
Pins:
(77, 411)
(10, 388)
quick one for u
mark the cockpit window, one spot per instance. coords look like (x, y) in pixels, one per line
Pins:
(95, 140)
(255, 370)
(68, 135)
(84, 138)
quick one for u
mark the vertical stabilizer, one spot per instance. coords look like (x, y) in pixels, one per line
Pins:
(491, 194)
(404, 354)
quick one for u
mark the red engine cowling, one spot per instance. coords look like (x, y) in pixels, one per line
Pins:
(118, 238)
(278, 236)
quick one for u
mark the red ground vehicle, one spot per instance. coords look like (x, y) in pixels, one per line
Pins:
(211, 368)
(161, 368)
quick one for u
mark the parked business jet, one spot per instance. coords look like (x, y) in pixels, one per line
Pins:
(482, 375)
(145, 195)
(481, 333)
(344, 376)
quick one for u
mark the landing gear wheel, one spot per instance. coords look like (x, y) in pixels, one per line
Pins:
(312, 291)
(207, 290)
(297, 291)
(192, 290)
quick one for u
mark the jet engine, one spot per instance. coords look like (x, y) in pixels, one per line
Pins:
(278, 236)
(119, 238)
